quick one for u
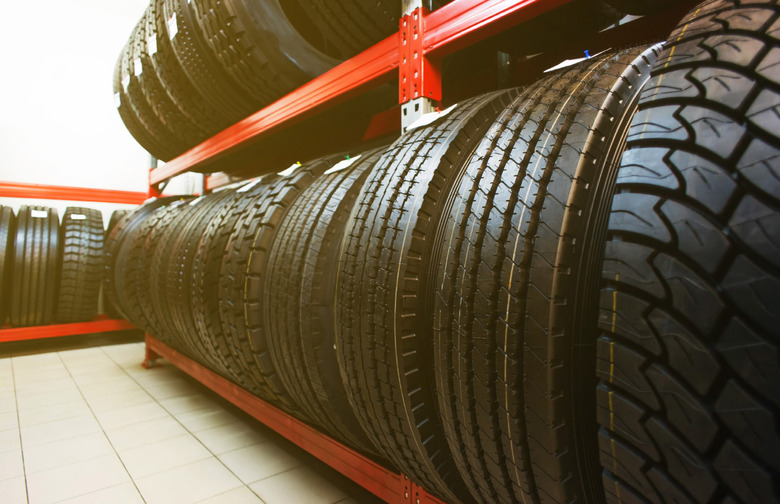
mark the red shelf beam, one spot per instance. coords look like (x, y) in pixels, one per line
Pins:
(41, 191)
(447, 29)
(385, 484)
(57, 330)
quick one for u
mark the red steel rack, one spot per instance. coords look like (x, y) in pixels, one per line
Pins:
(41, 191)
(413, 55)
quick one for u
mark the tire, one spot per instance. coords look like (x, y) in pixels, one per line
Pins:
(36, 262)
(108, 307)
(122, 230)
(134, 287)
(7, 234)
(199, 61)
(144, 109)
(384, 322)
(297, 297)
(258, 49)
(173, 78)
(343, 29)
(243, 267)
(116, 216)
(177, 127)
(688, 349)
(518, 284)
(642, 7)
(81, 270)
(179, 276)
(125, 109)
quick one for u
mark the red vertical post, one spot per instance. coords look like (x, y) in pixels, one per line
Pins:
(419, 76)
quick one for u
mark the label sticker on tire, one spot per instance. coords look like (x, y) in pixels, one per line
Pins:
(78, 216)
(39, 214)
(151, 45)
(342, 165)
(173, 27)
(137, 67)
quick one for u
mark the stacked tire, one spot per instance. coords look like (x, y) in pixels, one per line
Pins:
(563, 293)
(50, 272)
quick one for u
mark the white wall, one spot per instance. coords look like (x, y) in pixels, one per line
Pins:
(58, 121)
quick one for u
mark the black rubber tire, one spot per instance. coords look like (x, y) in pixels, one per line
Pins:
(125, 109)
(199, 61)
(7, 235)
(297, 297)
(178, 85)
(117, 235)
(116, 216)
(518, 284)
(343, 29)
(134, 287)
(688, 352)
(258, 48)
(81, 270)
(181, 132)
(144, 108)
(243, 266)
(642, 7)
(36, 263)
(180, 273)
(108, 307)
(384, 324)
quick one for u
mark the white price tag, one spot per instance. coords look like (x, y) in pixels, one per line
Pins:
(427, 119)
(39, 214)
(290, 170)
(117, 100)
(151, 45)
(342, 165)
(78, 216)
(137, 67)
(173, 27)
(125, 81)
(248, 186)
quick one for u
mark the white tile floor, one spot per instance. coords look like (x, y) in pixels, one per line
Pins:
(92, 426)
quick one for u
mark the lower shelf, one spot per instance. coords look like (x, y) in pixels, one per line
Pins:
(56, 330)
(390, 486)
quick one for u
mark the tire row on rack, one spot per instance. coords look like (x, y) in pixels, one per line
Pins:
(191, 68)
(50, 271)
(564, 293)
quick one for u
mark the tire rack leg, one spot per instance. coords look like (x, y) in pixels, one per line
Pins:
(390, 486)
(419, 76)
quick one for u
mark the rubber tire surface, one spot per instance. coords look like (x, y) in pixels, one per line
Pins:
(209, 252)
(122, 230)
(516, 281)
(179, 275)
(81, 269)
(242, 274)
(384, 324)
(36, 263)
(298, 294)
(688, 352)
(345, 28)
(7, 234)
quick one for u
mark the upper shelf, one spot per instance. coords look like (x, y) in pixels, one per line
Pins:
(446, 30)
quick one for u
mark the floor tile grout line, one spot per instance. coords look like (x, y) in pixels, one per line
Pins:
(183, 426)
(99, 490)
(19, 426)
(103, 431)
